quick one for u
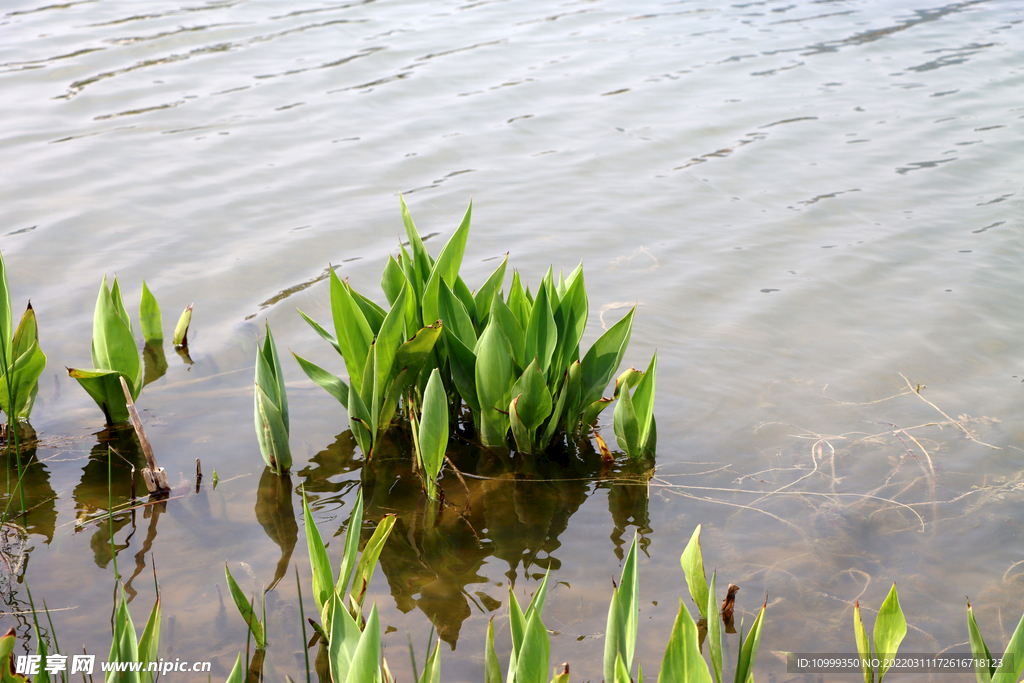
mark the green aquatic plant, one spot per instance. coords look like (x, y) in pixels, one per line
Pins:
(1010, 665)
(430, 436)
(354, 575)
(683, 660)
(513, 359)
(531, 648)
(21, 360)
(623, 620)
(271, 407)
(255, 626)
(381, 357)
(890, 629)
(115, 353)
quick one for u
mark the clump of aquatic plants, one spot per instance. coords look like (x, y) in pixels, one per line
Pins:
(115, 353)
(271, 407)
(21, 360)
(514, 359)
(688, 636)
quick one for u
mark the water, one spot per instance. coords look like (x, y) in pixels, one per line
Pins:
(806, 199)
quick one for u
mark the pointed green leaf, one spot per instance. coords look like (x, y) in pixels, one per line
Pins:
(683, 661)
(493, 385)
(890, 628)
(246, 610)
(627, 426)
(1010, 668)
(320, 564)
(329, 382)
(446, 267)
(348, 560)
(503, 317)
(643, 401)
(181, 329)
(322, 332)
(105, 388)
(237, 674)
(532, 660)
(518, 302)
(345, 639)
(863, 645)
(433, 429)
(603, 358)
(492, 670)
(982, 670)
(6, 319)
(392, 280)
(454, 316)
(748, 653)
(351, 330)
(692, 561)
(149, 643)
(541, 334)
(149, 316)
(486, 294)
(271, 433)
(368, 559)
(714, 632)
(534, 405)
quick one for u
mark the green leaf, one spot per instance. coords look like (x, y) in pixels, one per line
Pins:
(245, 609)
(6, 320)
(373, 313)
(890, 628)
(320, 564)
(149, 643)
(493, 385)
(359, 422)
(532, 660)
(523, 437)
(433, 430)
(714, 632)
(979, 649)
(692, 561)
(366, 658)
(627, 426)
(149, 317)
(454, 316)
(348, 560)
(105, 388)
(503, 317)
(446, 267)
(463, 369)
(393, 280)
(682, 661)
(518, 302)
(274, 365)
(387, 343)
(113, 343)
(462, 293)
(413, 354)
(603, 358)
(181, 329)
(24, 382)
(432, 667)
(571, 320)
(643, 401)
(534, 404)
(271, 432)
(863, 645)
(329, 382)
(351, 330)
(390, 405)
(541, 334)
(492, 670)
(748, 653)
(368, 559)
(345, 639)
(421, 261)
(322, 332)
(1010, 668)
(237, 674)
(485, 296)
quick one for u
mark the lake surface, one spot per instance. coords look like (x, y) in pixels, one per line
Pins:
(815, 204)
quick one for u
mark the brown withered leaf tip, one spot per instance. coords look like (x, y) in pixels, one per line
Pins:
(727, 607)
(565, 669)
(606, 454)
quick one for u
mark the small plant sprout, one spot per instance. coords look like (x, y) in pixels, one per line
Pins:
(890, 628)
(21, 360)
(1010, 665)
(431, 437)
(271, 407)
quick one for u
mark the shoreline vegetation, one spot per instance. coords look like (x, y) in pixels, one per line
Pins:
(492, 373)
